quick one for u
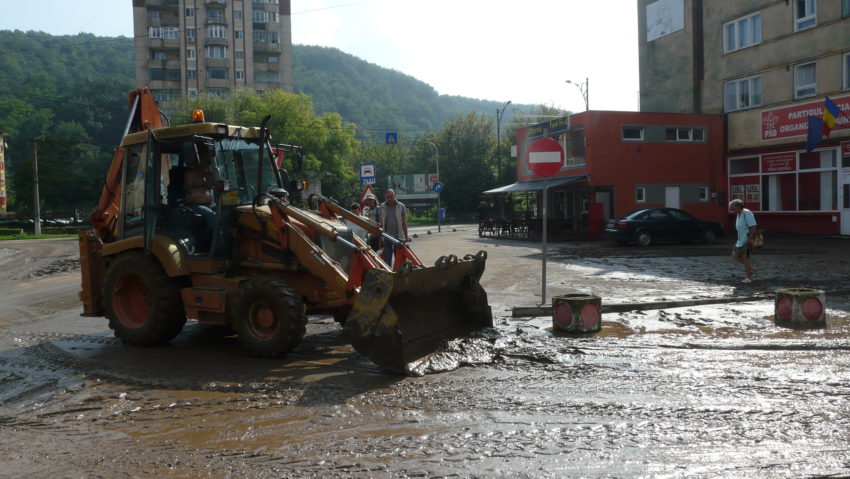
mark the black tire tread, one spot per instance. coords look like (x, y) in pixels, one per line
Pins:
(292, 320)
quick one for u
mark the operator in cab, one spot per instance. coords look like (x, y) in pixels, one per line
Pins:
(197, 185)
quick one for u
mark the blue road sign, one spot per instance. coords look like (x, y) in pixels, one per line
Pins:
(438, 187)
(392, 137)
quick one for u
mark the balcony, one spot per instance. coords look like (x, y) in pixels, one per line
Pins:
(217, 21)
(216, 62)
(164, 43)
(267, 47)
(219, 3)
(216, 41)
(162, 3)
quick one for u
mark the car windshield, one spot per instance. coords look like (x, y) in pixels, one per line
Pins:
(239, 160)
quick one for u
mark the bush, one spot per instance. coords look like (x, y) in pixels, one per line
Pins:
(10, 231)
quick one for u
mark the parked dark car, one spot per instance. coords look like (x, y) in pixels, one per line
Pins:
(648, 226)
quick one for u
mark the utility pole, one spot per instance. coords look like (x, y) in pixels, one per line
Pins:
(499, 114)
(35, 198)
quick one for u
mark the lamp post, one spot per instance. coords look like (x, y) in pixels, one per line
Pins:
(437, 158)
(499, 115)
(584, 88)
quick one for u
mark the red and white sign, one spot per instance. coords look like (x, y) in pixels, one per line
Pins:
(779, 162)
(545, 157)
(793, 120)
(845, 148)
(366, 191)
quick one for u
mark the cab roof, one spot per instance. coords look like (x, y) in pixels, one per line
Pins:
(213, 130)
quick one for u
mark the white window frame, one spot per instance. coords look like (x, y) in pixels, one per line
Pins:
(639, 129)
(805, 90)
(190, 11)
(238, 34)
(745, 32)
(190, 34)
(684, 133)
(191, 54)
(640, 194)
(216, 31)
(237, 14)
(240, 54)
(846, 68)
(191, 73)
(703, 194)
(216, 48)
(753, 87)
(809, 19)
(240, 75)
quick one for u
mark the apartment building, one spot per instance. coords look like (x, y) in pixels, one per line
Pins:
(765, 65)
(190, 47)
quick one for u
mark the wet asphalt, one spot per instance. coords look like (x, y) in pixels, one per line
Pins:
(706, 390)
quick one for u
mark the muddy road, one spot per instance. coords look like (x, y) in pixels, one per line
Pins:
(705, 391)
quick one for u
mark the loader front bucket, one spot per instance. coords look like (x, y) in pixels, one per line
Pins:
(400, 317)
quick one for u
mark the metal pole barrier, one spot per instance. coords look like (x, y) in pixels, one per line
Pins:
(545, 195)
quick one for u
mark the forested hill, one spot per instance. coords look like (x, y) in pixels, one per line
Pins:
(377, 99)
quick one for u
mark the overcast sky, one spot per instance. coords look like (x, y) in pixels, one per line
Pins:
(488, 49)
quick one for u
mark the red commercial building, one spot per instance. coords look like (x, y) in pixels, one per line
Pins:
(615, 163)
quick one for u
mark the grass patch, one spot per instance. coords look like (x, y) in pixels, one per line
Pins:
(33, 236)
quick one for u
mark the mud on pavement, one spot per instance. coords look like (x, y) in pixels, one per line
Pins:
(702, 391)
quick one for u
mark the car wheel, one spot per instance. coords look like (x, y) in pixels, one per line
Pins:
(643, 238)
(709, 236)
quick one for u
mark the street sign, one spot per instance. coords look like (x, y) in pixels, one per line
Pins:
(367, 173)
(366, 192)
(545, 157)
(438, 187)
(392, 137)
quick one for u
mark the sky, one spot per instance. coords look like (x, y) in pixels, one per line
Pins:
(498, 50)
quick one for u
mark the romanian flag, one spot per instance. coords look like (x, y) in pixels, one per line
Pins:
(830, 113)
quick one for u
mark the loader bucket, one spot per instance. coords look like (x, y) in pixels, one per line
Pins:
(400, 317)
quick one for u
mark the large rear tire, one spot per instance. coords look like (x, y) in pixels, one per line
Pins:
(142, 303)
(270, 320)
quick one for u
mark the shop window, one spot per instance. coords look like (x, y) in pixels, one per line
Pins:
(575, 148)
(742, 33)
(779, 192)
(741, 94)
(632, 133)
(740, 166)
(817, 191)
(817, 159)
(805, 14)
(805, 80)
(640, 194)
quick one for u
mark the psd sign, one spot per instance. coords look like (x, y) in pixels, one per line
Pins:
(545, 157)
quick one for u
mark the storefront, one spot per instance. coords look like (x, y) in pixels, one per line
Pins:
(615, 163)
(791, 190)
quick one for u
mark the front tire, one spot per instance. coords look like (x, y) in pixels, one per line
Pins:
(270, 320)
(142, 303)
(643, 238)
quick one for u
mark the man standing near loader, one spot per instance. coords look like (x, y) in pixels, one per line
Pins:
(392, 215)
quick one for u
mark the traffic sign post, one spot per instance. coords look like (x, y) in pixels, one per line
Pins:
(367, 173)
(545, 158)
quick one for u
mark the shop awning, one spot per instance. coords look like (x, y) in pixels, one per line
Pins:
(535, 185)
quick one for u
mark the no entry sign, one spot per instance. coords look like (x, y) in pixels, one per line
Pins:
(545, 157)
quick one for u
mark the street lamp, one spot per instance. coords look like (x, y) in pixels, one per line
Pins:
(584, 88)
(499, 114)
(437, 157)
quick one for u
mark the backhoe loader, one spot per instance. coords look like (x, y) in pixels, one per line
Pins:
(250, 259)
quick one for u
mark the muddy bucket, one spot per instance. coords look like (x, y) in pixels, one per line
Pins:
(576, 313)
(802, 307)
(400, 317)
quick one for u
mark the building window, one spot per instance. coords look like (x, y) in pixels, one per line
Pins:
(743, 166)
(847, 69)
(193, 92)
(239, 34)
(190, 54)
(190, 34)
(215, 14)
(632, 133)
(237, 14)
(164, 74)
(742, 94)
(240, 75)
(805, 14)
(240, 54)
(684, 134)
(190, 11)
(216, 51)
(158, 56)
(191, 74)
(167, 33)
(165, 95)
(261, 36)
(742, 33)
(264, 17)
(845, 8)
(154, 14)
(703, 193)
(215, 31)
(217, 73)
(219, 92)
(267, 76)
(640, 194)
(805, 80)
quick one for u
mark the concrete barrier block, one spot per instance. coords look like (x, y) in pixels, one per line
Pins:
(800, 307)
(577, 313)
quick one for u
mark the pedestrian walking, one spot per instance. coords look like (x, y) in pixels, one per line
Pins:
(370, 211)
(745, 224)
(392, 216)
